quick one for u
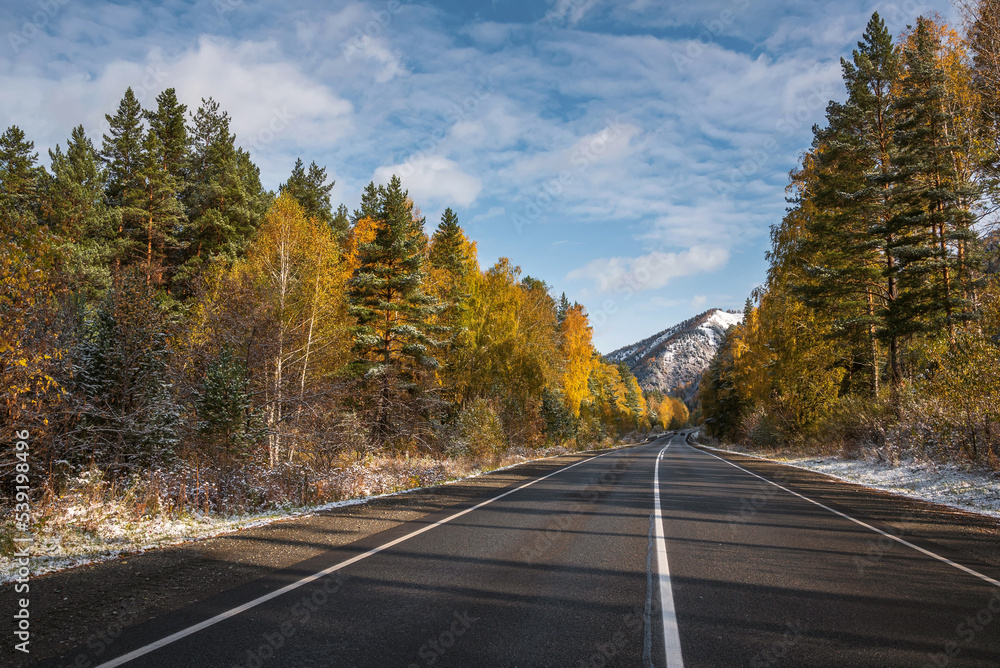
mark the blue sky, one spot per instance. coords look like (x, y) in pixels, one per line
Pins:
(632, 154)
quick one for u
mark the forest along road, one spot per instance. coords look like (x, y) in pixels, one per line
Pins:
(570, 569)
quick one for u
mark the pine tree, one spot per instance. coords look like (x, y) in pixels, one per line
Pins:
(169, 125)
(341, 223)
(122, 155)
(447, 251)
(311, 191)
(452, 265)
(983, 39)
(128, 416)
(563, 308)
(933, 212)
(226, 417)
(225, 201)
(162, 210)
(870, 79)
(392, 339)
(21, 181)
(839, 232)
(76, 211)
(450, 254)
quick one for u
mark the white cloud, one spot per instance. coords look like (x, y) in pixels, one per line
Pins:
(434, 178)
(649, 272)
(273, 105)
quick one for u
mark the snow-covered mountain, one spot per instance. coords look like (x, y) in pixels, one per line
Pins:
(675, 358)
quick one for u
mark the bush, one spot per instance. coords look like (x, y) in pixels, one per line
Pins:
(479, 432)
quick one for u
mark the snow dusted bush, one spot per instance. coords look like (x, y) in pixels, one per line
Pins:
(479, 432)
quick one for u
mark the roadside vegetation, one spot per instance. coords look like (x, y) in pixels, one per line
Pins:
(178, 340)
(877, 331)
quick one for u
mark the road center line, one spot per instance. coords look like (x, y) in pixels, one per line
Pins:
(671, 636)
(964, 569)
(183, 633)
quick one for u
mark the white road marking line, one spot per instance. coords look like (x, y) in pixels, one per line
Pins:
(671, 636)
(965, 569)
(183, 633)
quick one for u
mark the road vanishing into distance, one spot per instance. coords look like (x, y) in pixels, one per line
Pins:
(657, 555)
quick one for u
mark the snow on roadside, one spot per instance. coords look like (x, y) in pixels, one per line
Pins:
(76, 541)
(947, 484)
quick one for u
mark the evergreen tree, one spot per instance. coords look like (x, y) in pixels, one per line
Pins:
(169, 126)
(311, 191)
(562, 309)
(128, 417)
(77, 213)
(559, 421)
(341, 223)
(122, 155)
(449, 254)
(225, 414)
(21, 180)
(162, 211)
(452, 263)
(225, 201)
(447, 251)
(392, 339)
(839, 231)
(370, 199)
(933, 215)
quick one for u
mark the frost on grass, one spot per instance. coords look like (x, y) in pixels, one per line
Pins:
(93, 520)
(915, 477)
(940, 483)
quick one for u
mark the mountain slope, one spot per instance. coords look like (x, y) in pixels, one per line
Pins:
(675, 358)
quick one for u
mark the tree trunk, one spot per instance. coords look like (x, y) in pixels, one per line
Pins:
(872, 342)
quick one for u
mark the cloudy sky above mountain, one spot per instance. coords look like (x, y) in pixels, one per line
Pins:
(632, 154)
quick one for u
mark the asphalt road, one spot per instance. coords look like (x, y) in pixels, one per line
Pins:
(572, 570)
